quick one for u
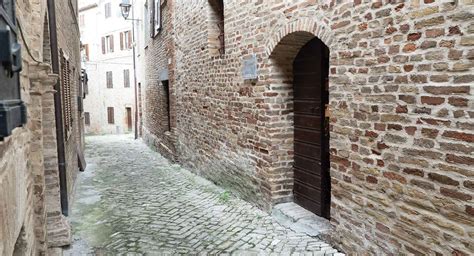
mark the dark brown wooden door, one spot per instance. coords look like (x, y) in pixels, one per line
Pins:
(311, 159)
(129, 118)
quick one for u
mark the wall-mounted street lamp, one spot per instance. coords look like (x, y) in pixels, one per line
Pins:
(126, 7)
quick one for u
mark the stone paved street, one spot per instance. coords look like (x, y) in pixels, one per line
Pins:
(132, 201)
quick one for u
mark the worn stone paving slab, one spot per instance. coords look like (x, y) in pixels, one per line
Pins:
(132, 201)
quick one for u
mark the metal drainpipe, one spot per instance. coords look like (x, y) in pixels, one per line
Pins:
(58, 108)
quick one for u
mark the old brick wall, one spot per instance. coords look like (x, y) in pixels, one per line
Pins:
(29, 195)
(69, 43)
(158, 131)
(401, 100)
(22, 188)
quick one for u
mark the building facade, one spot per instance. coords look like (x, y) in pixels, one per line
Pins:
(39, 159)
(360, 111)
(107, 58)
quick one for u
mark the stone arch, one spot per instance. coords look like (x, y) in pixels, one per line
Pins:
(281, 49)
(316, 28)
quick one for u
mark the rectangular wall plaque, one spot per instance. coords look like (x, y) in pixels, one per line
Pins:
(249, 69)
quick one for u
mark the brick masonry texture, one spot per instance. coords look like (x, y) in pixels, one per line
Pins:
(401, 126)
(30, 213)
(157, 130)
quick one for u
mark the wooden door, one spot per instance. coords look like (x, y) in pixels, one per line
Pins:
(129, 118)
(311, 151)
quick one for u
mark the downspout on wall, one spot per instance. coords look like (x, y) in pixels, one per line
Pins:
(58, 108)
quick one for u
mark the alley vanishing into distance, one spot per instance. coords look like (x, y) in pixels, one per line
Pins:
(132, 200)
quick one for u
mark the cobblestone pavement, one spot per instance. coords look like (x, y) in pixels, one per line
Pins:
(132, 201)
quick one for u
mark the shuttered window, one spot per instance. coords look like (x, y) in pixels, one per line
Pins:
(125, 40)
(109, 79)
(110, 115)
(86, 52)
(155, 20)
(87, 118)
(107, 44)
(66, 81)
(126, 78)
(108, 10)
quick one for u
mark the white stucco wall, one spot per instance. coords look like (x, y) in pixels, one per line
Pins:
(100, 97)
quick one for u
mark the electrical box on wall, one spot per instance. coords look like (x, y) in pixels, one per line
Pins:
(12, 109)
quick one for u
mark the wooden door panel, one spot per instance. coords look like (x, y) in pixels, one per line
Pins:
(308, 204)
(307, 93)
(308, 150)
(307, 107)
(307, 179)
(307, 164)
(309, 122)
(311, 183)
(308, 136)
(304, 189)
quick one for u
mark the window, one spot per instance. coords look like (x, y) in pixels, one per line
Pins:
(126, 78)
(108, 10)
(65, 78)
(81, 20)
(107, 44)
(216, 27)
(87, 118)
(85, 53)
(166, 91)
(129, 118)
(110, 115)
(125, 40)
(155, 21)
(109, 79)
(146, 16)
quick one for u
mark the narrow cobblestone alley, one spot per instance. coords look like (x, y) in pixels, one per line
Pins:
(131, 200)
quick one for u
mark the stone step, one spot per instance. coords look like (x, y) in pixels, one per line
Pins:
(301, 220)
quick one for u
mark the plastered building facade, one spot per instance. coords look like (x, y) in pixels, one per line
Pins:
(34, 189)
(110, 71)
(399, 163)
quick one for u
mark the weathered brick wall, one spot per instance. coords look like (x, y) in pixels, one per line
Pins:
(69, 43)
(22, 215)
(29, 188)
(401, 101)
(158, 131)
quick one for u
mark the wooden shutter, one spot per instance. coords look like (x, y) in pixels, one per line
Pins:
(121, 40)
(152, 18)
(103, 45)
(110, 115)
(111, 43)
(126, 78)
(107, 10)
(129, 39)
(87, 51)
(158, 16)
(87, 118)
(109, 79)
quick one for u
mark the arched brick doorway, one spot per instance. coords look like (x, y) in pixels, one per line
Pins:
(311, 134)
(298, 71)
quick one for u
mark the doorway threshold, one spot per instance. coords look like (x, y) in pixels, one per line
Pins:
(298, 219)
